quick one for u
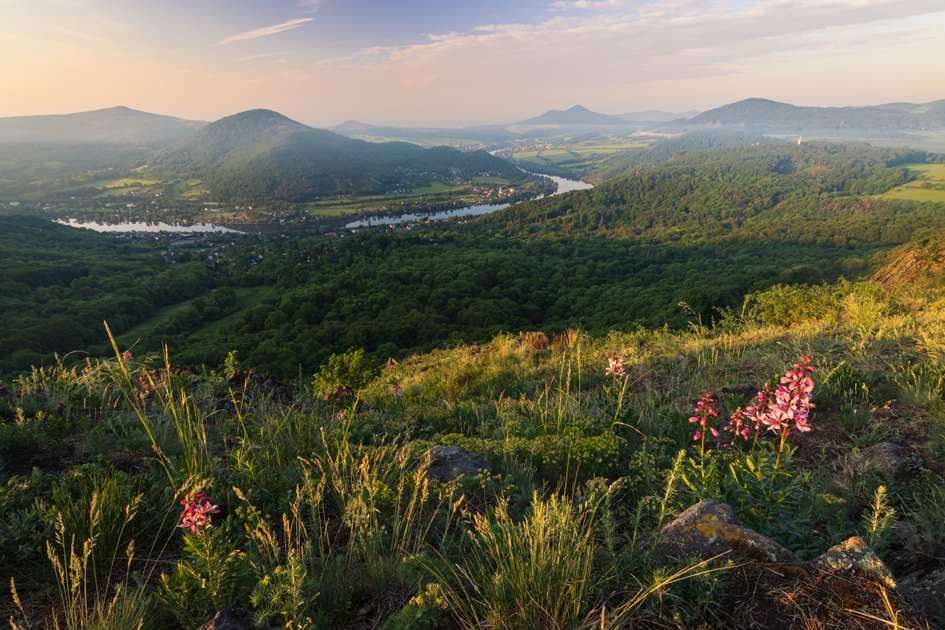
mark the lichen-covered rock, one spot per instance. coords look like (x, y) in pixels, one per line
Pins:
(885, 457)
(855, 554)
(447, 463)
(233, 619)
(926, 591)
(710, 528)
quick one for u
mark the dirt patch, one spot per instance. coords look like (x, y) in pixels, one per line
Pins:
(761, 598)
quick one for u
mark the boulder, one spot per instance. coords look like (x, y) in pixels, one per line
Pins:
(709, 528)
(926, 591)
(233, 619)
(448, 463)
(885, 457)
(855, 554)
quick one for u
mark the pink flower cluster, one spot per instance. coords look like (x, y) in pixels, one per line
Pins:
(791, 403)
(197, 510)
(704, 411)
(126, 355)
(614, 367)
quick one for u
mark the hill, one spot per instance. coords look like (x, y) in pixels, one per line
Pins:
(634, 159)
(37, 149)
(576, 116)
(261, 154)
(540, 469)
(758, 114)
(102, 126)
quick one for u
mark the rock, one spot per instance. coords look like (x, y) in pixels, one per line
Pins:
(885, 457)
(447, 463)
(233, 619)
(709, 528)
(340, 394)
(926, 591)
(248, 390)
(856, 555)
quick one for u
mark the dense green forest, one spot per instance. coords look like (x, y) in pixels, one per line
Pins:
(58, 284)
(705, 228)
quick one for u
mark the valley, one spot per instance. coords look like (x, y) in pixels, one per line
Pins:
(366, 312)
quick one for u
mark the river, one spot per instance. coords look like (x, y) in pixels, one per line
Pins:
(146, 228)
(564, 185)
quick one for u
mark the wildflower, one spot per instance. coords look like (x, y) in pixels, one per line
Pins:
(738, 426)
(396, 391)
(197, 510)
(126, 355)
(704, 410)
(614, 367)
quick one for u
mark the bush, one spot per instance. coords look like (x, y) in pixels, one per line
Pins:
(351, 368)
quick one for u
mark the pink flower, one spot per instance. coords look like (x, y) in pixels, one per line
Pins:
(704, 411)
(614, 366)
(197, 510)
(396, 391)
(126, 355)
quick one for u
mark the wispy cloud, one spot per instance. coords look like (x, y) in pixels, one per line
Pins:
(260, 56)
(310, 5)
(269, 30)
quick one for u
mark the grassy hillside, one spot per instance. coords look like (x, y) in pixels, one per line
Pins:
(323, 518)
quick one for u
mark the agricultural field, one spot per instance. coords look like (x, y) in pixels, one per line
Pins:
(930, 185)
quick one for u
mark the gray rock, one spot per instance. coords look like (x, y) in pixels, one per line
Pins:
(855, 554)
(233, 619)
(710, 528)
(885, 457)
(926, 591)
(447, 463)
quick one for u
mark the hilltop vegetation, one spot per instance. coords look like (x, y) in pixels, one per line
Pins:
(323, 517)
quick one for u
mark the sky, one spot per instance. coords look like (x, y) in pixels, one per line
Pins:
(458, 63)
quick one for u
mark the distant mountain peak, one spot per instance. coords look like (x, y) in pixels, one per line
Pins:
(577, 115)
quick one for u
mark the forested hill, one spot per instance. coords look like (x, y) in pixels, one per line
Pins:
(759, 113)
(815, 193)
(261, 154)
(631, 160)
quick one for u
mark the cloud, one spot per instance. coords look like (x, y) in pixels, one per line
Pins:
(310, 5)
(269, 30)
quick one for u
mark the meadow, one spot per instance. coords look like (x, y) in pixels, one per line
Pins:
(316, 511)
(928, 186)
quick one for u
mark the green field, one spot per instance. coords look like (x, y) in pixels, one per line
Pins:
(436, 187)
(248, 298)
(930, 185)
(491, 180)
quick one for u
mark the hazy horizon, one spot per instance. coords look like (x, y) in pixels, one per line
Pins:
(421, 63)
